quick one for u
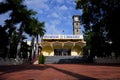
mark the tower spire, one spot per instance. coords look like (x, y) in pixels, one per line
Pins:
(76, 25)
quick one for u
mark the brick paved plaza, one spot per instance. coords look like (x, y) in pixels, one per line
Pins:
(60, 72)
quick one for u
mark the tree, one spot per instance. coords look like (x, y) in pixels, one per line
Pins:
(25, 19)
(35, 29)
(3, 41)
(19, 14)
(13, 6)
(10, 28)
(100, 17)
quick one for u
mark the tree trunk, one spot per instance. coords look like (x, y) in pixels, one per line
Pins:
(33, 47)
(9, 40)
(18, 55)
(36, 46)
(8, 48)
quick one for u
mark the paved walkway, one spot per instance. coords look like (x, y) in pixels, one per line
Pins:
(60, 72)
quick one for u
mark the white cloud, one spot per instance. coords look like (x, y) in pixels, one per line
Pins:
(55, 22)
(71, 2)
(63, 8)
(55, 15)
(37, 4)
(60, 1)
(39, 11)
(51, 29)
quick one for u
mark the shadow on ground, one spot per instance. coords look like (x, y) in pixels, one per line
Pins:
(75, 75)
(17, 68)
(10, 69)
(101, 64)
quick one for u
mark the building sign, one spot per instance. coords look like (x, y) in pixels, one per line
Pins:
(63, 37)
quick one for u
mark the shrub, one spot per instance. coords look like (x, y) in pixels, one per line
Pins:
(41, 59)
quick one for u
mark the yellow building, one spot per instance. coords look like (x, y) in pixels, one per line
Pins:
(64, 45)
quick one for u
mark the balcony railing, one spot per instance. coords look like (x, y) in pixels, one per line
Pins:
(63, 37)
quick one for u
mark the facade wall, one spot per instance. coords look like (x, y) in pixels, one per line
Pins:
(47, 53)
(73, 53)
(74, 45)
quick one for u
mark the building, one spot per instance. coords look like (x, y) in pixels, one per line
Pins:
(64, 45)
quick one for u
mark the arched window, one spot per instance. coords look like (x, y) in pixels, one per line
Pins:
(77, 30)
(77, 24)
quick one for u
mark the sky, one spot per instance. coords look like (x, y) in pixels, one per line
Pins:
(57, 14)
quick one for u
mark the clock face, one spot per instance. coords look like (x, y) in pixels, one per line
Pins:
(76, 19)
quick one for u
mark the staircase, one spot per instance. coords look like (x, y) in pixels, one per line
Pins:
(63, 59)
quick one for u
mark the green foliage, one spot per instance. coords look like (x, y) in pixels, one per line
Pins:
(100, 19)
(20, 14)
(24, 55)
(35, 27)
(25, 48)
(41, 59)
(3, 41)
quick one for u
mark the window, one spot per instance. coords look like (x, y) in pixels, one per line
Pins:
(62, 52)
(77, 24)
(77, 30)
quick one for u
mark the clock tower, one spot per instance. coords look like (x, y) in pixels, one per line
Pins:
(76, 25)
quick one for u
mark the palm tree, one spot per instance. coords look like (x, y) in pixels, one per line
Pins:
(39, 32)
(35, 29)
(25, 17)
(5, 7)
(19, 14)
(11, 28)
(3, 40)
(13, 6)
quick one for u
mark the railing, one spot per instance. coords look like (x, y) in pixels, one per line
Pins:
(63, 37)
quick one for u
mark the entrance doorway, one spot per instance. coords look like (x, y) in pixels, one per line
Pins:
(62, 52)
